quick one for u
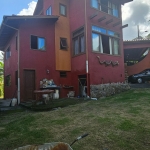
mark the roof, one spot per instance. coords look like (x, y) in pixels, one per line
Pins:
(136, 41)
(134, 49)
(15, 21)
(126, 1)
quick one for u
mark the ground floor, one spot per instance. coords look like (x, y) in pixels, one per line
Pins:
(61, 82)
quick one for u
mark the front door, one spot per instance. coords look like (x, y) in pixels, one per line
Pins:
(29, 84)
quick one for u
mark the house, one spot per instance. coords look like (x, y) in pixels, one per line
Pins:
(76, 43)
(136, 55)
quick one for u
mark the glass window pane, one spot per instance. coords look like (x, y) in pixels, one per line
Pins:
(62, 10)
(113, 33)
(82, 44)
(8, 53)
(76, 46)
(94, 3)
(116, 47)
(98, 29)
(95, 42)
(110, 45)
(41, 43)
(115, 10)
(109, 8)
(49, 11)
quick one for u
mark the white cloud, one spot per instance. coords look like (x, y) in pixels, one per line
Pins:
(126, 11)
(136, 13)
(29, 10)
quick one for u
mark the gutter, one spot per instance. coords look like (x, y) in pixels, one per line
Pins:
(87, 54)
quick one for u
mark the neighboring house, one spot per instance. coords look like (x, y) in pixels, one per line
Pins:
(137, 55)
(74, 42)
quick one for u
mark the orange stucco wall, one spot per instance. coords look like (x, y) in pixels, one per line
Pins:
(62, 29)
(142, 65)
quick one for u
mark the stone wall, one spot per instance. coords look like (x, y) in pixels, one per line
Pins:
(105, 90)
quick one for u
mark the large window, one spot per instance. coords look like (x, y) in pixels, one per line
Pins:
(105, 41)
(8, 80)
(78, 41)
(63, 9)
(37, 43)
(49, 11)
(8, 53)
(106, 6)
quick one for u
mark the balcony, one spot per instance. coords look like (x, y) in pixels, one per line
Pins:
(106, 6)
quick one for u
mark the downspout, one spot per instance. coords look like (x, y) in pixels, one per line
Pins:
(86, 45)
(18, 47)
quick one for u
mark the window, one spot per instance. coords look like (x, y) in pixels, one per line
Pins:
(63, 43)
(8, 80)
(78, 41)
(63, 74)
(8, 53)
(49, 11)
(106, 6)
(107, 43)
(37, 43)
(63, 10)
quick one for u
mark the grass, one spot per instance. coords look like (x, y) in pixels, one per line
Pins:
(119, 122)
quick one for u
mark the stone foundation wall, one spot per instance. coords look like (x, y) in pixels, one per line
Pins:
(105, 90)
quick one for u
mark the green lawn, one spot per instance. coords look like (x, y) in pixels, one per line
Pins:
(120, 122)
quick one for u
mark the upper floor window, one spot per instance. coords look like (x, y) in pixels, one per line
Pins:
(8, 53)
(63, 43)
(106, 6)
(62, 9)
(49, 11)
(37, 42)
(105, 41)
(78, 41)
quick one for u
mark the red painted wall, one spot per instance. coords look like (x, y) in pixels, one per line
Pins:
(98, 73)
(37, 60)
(77, 20)
(10, 66)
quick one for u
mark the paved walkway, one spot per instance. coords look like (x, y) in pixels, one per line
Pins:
(143, 85)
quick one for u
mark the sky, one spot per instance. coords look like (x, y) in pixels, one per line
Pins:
(136, 13)
(133, 13)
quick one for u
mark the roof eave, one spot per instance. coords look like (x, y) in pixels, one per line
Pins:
(8, 19)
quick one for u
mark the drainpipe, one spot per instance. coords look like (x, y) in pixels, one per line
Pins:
(18, 47)
(86, 45)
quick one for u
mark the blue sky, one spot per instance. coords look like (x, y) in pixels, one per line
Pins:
(9, 7)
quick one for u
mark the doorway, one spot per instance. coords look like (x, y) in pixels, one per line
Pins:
(82, 79)
(29, 84)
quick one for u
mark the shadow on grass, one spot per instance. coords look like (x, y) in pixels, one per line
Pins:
(51, 105)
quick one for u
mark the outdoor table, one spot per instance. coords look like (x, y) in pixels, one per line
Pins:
(39, 93)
